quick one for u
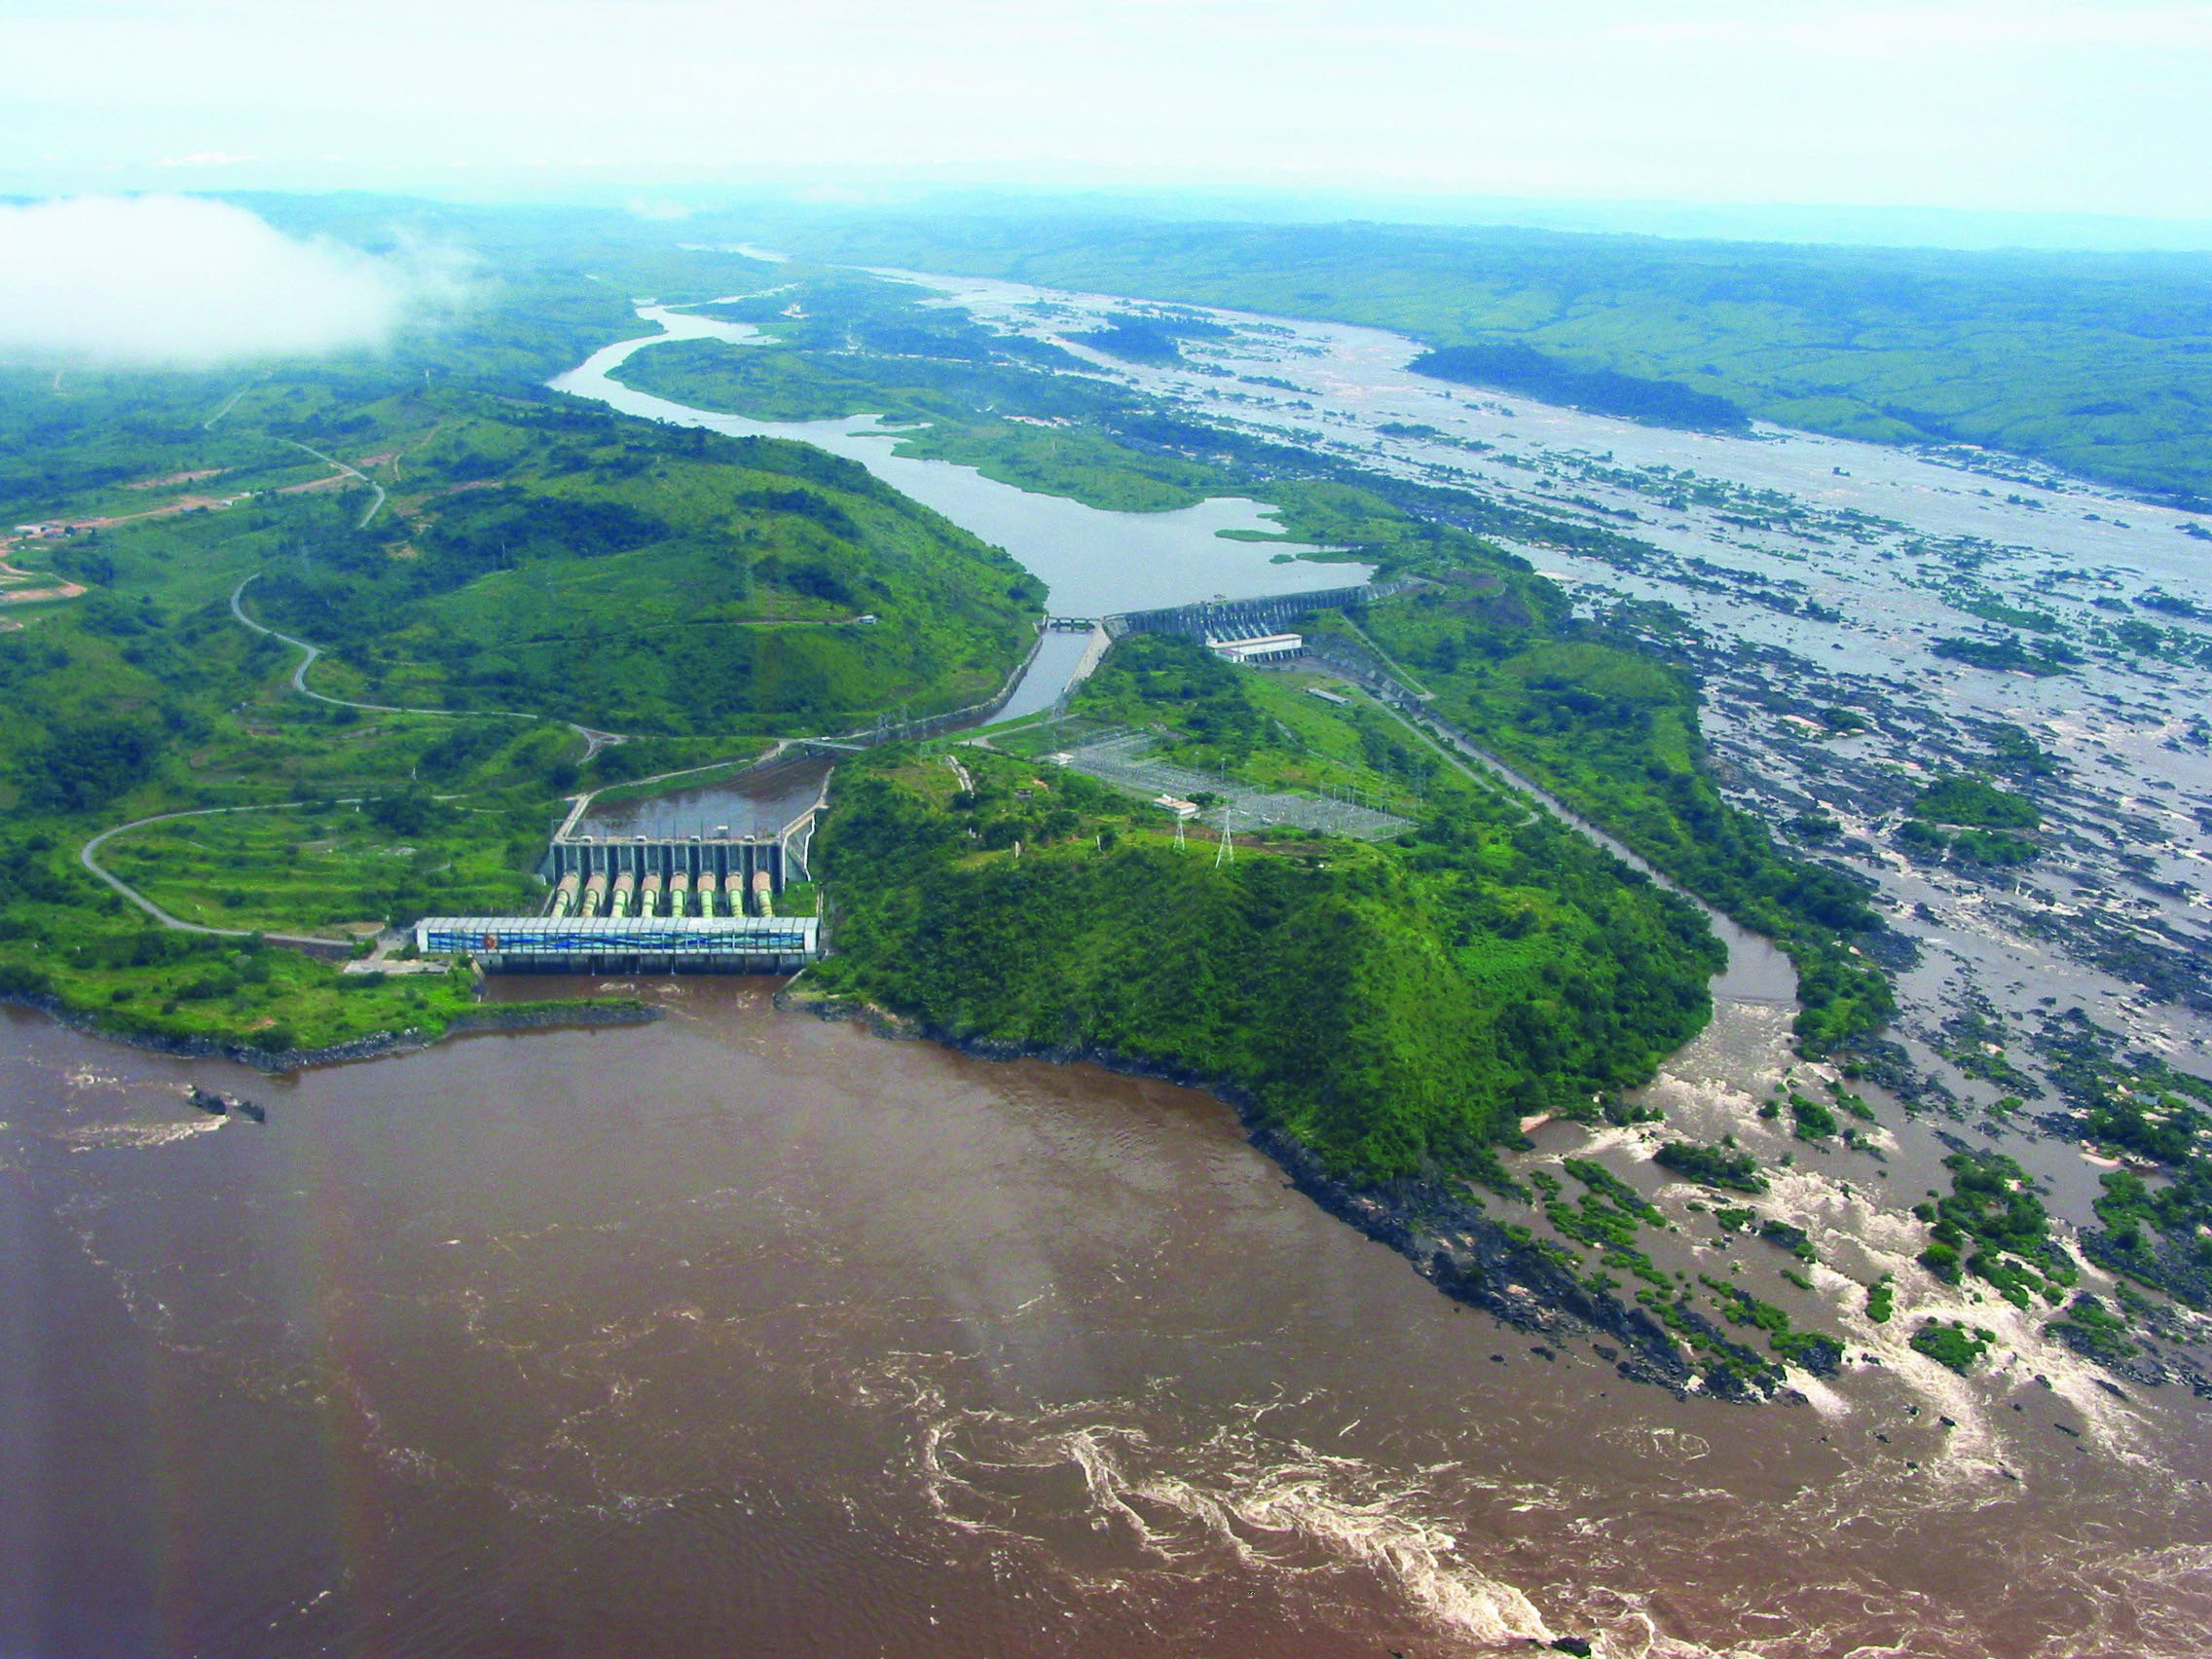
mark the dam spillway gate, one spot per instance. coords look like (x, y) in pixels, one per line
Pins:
(699, 905)
(643, 877)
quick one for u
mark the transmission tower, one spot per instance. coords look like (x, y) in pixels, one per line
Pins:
(1178, 832)
(1225, 850)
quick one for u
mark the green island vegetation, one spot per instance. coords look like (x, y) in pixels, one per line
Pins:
(1606, 1217)
(1817, 1354)
(1553, 379)
(1993, 1225)
(1788, 1235)
(2090, 1328)
(1725, 1167)
(1882, 1299)
(2005, 654)
(1977, 819)
(1155, 337)
(1811, 1120)
(1395, 1007)
(2016, 754)
(1975, 1041)
(1952, 1343)
(1927, 844)
(2091, 362)
(2135, 1106)
(1975, 804)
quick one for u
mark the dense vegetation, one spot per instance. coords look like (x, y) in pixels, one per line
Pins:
(1724, 1166)
(1992, 1225)
(1393, 1008)
(2094, 362)
(649, 579)
(1592, 712)
(1552, 379)
(1976, 804)
(1152, 338)
(2133, 1105)
(1980, 817)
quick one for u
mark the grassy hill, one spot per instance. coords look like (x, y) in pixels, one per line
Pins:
(547, 561)
(648, 579)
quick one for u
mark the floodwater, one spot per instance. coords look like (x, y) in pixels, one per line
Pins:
(1875, 553)
(746, 1333)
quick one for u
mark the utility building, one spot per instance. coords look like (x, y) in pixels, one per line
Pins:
(1263, 647)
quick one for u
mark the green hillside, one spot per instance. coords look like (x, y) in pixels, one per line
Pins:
(1393, 1006)
(458, 540)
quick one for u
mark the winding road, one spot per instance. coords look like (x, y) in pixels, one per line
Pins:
(85, 857)
(594, 741)
(376, 506)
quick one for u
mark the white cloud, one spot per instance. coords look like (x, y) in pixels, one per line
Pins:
(183, 280)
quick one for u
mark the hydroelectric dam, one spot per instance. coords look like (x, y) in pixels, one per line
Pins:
(695, 904)
(661, 902)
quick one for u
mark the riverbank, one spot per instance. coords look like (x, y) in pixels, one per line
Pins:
(943, 1324)
(1436, 1223)
(489, 1016)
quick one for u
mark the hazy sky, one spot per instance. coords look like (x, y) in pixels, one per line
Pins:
(2068, 105)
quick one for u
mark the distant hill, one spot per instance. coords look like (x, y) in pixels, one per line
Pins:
(1602, 391)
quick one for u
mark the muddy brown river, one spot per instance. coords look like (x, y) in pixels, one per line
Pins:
(748, 1334)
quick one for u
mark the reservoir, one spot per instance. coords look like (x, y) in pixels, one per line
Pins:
(1092, 562)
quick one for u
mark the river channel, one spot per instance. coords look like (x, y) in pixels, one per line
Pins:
(744, 1333)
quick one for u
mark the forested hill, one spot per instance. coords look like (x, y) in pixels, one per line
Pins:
(1393, 1008)
(2097, 363)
